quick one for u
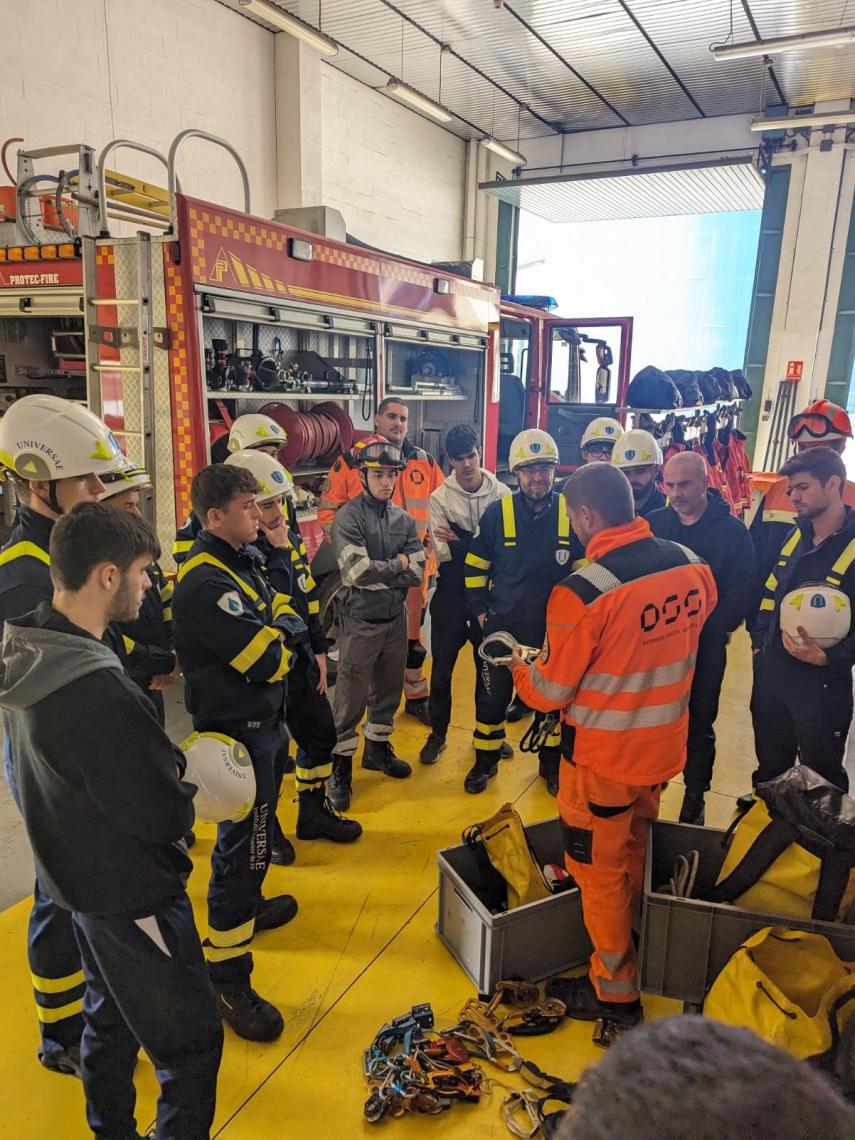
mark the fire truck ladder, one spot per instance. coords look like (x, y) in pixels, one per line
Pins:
(119, 355)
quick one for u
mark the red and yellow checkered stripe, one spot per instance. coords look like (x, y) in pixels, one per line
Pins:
(179, 371)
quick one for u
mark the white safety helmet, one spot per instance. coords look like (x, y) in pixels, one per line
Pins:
(603, 429)
(637, 448)
(130, 477)
(256, 430)
(821, 610)
(221, 769)
(271, 476)
(532, 446)
(47, 438)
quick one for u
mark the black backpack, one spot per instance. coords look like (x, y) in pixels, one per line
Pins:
(653, 388)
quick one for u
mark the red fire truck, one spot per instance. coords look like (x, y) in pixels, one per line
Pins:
(171, 335)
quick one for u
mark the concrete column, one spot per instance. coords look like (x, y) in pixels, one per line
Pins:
(816, 225)
(299, 123)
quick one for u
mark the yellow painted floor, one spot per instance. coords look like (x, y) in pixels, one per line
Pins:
(361, 951)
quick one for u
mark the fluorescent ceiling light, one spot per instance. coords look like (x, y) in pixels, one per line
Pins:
(838, 37)
(505, 152)
(794, 122)
(416, 99)
(292, 25)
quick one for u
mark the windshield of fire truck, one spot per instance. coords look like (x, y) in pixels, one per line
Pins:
(583, 365)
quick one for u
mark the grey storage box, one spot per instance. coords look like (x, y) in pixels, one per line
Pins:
(685, 943)
(531, 942)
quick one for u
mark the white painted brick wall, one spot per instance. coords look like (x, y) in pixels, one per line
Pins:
(173, 63)
(397, 178)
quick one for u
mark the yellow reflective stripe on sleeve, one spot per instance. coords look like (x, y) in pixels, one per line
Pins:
(283, 666)
(51, 1016)
(24, 550)
(475, 581)
(166, 591)
(129, 644)
(254, 649)
(167, 613)
(57, 985)
(563, 522)
(233, 937)
(182, 545)
(474, 560)
(509, 523)
(210, 560)
(842, 564)
(282, 605)
(579, 563)
(314, 607)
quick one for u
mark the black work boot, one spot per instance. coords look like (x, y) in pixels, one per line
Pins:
(484, 769)
(692, 810)
(282, 851)
(65, 1061)
(582, 1004)
(340, 786)
(432, 747)
(505, 752)
(418, 707)
(318, 819)
(379, 756)
(249, 1015)
(548, 770)
(746, 802)
(517, 709)
(275, 912)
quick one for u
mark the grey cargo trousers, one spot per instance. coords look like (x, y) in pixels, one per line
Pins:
(371, 662)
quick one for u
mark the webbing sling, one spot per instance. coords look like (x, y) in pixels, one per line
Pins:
(769, 846)
(833, 578)
(509, 522)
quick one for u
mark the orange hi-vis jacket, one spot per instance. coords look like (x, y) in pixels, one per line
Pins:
(412, 487)
(619, 654)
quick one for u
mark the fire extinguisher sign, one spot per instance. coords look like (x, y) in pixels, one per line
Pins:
(795, 368)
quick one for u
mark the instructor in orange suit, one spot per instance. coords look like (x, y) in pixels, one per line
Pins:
(618, 660)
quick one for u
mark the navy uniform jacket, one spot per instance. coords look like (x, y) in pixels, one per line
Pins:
(187, 534)
(229, 626)
(515, 558)
(151, 631)
(288, 571)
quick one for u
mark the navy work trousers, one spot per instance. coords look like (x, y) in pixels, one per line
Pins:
(147, 986)
(451, 626)
(241, 856)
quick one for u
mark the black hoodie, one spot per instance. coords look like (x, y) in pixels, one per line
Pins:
(722, 541)
(96, 774)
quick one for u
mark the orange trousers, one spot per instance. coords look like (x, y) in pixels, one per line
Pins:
(605, 833)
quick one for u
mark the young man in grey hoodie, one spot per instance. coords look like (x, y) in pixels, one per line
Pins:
(100, 791)
(455, 510)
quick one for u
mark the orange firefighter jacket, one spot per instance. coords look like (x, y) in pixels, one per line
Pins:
(619, 654)
(412, 487)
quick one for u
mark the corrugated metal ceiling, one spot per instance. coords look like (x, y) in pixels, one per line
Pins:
(535, 67)
(651, 194)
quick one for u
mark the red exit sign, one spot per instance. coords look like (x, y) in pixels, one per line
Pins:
(795, 368)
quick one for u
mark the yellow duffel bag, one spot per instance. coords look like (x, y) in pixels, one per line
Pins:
(789, 987)
(792, 852)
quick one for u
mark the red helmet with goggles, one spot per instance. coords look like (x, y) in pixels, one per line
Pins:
(820, 420)
(374, 451)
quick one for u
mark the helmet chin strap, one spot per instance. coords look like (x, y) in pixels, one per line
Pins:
(52, 502)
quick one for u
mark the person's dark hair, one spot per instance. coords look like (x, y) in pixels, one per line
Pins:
(214, 487)
(388, 401)
(93, 533)
(692, 1078)
(460, 440)
(821, 462)
(602, 488)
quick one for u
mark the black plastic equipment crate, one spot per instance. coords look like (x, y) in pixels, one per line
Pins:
(685, 943)
(533, 942)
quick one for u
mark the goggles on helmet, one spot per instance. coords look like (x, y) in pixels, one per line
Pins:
(382, 455)
(816, 426)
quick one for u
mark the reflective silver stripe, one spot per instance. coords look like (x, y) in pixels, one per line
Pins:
(359, 561)
(372, 586)
(552, 690)
(617, 985)
(614, 959)
(611, 720)
(347, 745)
(599, 577)
(418, 504)
(379, 732)
(328, 505)
(610, 683)
(417, 564)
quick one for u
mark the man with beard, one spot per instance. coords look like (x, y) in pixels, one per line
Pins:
(639, 456)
